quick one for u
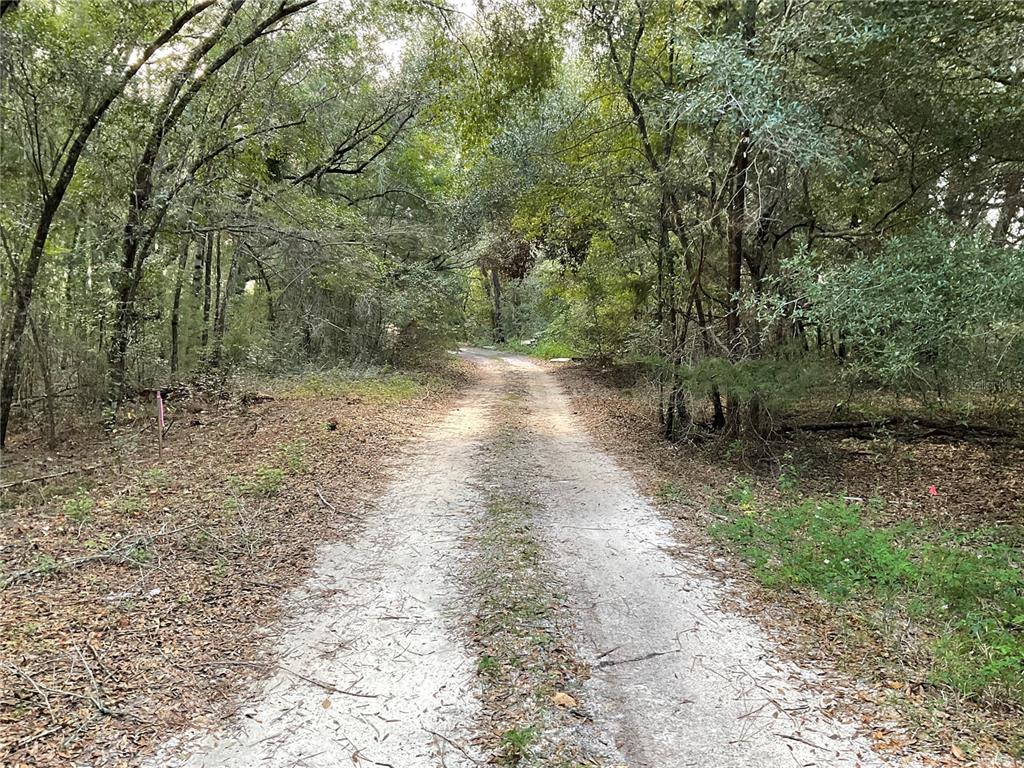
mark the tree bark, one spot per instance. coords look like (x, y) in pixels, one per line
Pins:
(1013, 201)
(207, 266)
(50, 402)
(176, 304)
(217, 254)
(496, 319)
(736, 211)
(220, 319)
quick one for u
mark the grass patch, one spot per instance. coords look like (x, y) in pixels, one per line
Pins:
(79, 507)
(671, 492)
(963, 593)
(129, 504)
(156, 479)
(292, 456)
(544, 349)
(515, 599)
(263, 483)
(523, 657)
(515, 744)
(372, 386)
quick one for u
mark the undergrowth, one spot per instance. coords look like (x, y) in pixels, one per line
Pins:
(543, 348)
(372, 385)
(962, 592)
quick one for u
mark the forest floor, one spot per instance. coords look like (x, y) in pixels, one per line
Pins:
(137, 590)
(894, 653)
(510, 596)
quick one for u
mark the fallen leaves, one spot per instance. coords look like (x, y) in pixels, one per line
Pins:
(121, 616)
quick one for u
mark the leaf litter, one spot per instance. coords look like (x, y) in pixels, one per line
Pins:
(137, 591)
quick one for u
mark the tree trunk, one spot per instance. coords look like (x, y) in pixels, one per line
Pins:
(270, 295)
(216, 281)
(1013, 201)
(220, 319)
(207, 266)
(176, 304)
(736, 211)
(496, 319)
(669, 330)
(50, 402)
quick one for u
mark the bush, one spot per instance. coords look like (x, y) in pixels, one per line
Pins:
(934, 312)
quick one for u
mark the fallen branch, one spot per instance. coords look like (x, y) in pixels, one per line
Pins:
(119, 553)
(324, 501)
(43, 690)
(66, 392)
(931, 428)
(838, 426)
(50, 476)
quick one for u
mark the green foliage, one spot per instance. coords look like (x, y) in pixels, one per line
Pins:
(934, 312)
(516, 742)
(775, 383)
(141, 554)
(293, 456)
(967, 591)
(487, 664)
(46, 564)
(372, 385)
(128, 505)
(80, 507)
(544, 349)
(156, 479)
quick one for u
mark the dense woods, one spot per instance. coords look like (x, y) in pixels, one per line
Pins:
(747, 199)
(778, 246)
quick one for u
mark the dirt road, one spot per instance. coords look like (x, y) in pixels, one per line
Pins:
(377, 666)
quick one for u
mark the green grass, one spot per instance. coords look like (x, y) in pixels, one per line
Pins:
(128, 505)
(544, 349)
(516, 742)
(292, 455)
(156, 479)
(79, 508)
(263, 483)
(371, 386)
(964, 593)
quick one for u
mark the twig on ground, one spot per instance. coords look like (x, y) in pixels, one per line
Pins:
(43, 690)
(51, 476)
(271, 665)
(324, 501)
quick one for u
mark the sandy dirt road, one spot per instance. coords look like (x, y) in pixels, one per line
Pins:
(376, 667)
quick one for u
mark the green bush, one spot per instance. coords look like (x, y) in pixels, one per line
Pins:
(934, 312)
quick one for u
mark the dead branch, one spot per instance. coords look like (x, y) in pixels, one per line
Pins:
(45, 691)
(50, 476)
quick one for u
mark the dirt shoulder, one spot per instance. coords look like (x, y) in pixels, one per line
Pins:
(878, 676)
(137, 590)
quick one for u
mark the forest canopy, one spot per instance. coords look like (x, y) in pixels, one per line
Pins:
(746, 199)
